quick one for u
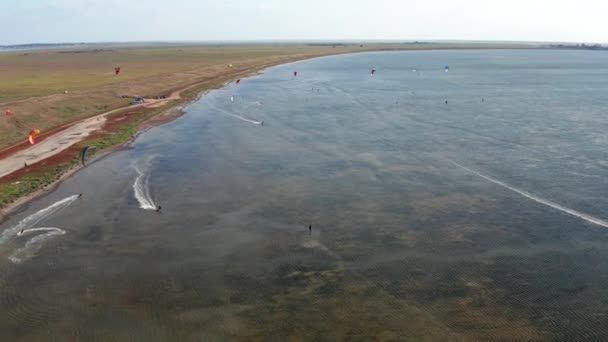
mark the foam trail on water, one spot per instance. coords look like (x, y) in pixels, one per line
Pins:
(34, 244)
(246, 120)
(141, 190)
(42, 229)
(540, 200)
(241, 117)
(33, 219)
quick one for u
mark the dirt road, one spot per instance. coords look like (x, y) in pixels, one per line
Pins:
(62, 140)
(78, 131)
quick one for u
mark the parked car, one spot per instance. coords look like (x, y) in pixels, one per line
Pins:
(137, 100)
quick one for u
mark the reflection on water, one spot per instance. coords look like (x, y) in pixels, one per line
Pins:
(404, 243)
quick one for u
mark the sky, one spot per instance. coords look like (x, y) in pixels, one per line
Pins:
(51, 21)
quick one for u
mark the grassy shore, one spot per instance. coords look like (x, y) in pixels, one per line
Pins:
(33, 86)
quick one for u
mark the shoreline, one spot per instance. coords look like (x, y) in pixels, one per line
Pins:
(171, 110)
(166, 116)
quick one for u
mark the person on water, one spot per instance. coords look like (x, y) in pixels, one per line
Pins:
(21, 232)
(158, 209)
(310, 229)
(79, 195)
(446, 101)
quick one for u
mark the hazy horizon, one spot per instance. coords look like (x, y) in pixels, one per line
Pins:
(296, 41)
(50, 21)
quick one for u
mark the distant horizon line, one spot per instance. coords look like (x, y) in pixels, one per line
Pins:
(292, 41)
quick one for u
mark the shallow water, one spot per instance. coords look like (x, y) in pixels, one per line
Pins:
(404, 243)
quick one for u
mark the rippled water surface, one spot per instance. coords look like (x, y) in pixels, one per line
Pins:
(480, 218)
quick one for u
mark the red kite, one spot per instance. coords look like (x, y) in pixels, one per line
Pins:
(32, 135)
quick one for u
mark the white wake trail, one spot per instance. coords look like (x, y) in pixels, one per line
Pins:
(141, 190)
(34, 244)
(537, 199)
(33, 219)
(241, 117)
(42, 229)
(247, 120)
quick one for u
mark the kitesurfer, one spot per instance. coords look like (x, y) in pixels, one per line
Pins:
(310, 229)
(158, 209)
(79, 195)
(21, 232)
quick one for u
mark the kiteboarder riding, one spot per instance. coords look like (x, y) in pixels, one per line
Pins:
(158, 209)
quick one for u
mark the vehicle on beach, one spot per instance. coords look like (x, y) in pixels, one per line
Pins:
(137, 100)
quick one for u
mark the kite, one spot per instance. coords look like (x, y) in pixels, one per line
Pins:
(83, 153)
(32, 135)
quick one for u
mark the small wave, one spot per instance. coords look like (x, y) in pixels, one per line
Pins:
(34, 244)
(141, 190)
(38, 216)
